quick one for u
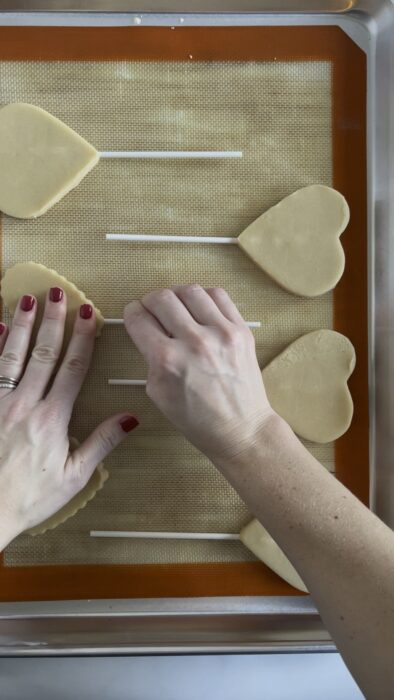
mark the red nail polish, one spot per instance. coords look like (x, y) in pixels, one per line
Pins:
(86, 311)
(2, 328)
(128, 424)
(27, 302)
(55, 294)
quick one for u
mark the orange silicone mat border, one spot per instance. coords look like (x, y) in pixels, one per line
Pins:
(350, 297)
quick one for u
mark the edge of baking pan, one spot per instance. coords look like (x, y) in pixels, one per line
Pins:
(162, 626)
(166, 6)
(232, 625)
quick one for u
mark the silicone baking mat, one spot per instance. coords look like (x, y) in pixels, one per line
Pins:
(284, 97)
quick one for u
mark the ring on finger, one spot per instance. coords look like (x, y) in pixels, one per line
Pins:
(8, 382)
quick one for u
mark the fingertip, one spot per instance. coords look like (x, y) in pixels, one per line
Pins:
(132, 306)
(86, 312)
(56, 295)
(55, 305)
(85, 320)
(131, 309)
(128, 422)
(28, 303)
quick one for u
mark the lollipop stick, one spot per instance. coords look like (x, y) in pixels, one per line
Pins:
(142, 535)
(171, 154)
(119, 322)
(264, 548)
(127, 382)
(142, 238)
(114, 321)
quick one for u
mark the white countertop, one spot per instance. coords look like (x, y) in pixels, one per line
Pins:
(226, 677)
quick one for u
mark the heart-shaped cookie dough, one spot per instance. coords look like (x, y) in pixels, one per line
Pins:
(256, 538)
(34, 278)
(307, 385)
(297, 241)
(41, 160)
(79, 501)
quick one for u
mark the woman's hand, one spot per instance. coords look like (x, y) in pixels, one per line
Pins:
(38, 475)
(203, 370)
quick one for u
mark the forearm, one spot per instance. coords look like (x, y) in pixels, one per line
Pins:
(342, 551)
(205, 378)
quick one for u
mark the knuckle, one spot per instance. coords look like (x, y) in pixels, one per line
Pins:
(156, 296)
(165, 357)
(75, 476)
(199, 342)
(77, 364)
(232, 335)
(218, 292)
(45, 354)
(166, 362)
(52, 410)
(15, 411)
(24, 322)
(163, 295)
(134, 310)
(107, 439)
(10, 357)
(86, 330)
(192, 288)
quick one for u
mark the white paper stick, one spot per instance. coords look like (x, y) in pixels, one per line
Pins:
(147, 238)
(127, 382)
(171, 154)
(113, 321)
(147, 535)
(119, 322)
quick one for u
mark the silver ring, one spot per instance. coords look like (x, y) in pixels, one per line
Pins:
(8, 382)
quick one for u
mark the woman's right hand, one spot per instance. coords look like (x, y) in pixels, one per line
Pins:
(203, 371)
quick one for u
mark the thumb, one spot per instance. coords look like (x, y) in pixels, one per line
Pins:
(101, 442)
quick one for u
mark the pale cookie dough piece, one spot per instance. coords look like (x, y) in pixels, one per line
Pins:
(41, 160)
(34, 278)
(256, 538)
(297, 241)
(95, 483)
(307, 385)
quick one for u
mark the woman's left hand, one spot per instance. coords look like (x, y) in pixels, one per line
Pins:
(38, 475)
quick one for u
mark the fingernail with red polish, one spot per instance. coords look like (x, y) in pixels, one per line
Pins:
(55, 294)
(2, 328)
(86, 311)
(27, 302)
(128, 424)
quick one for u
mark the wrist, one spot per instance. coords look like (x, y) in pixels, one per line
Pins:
(258, 441)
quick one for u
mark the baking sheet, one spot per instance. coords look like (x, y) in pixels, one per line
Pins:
(280, 113)
(280, 116)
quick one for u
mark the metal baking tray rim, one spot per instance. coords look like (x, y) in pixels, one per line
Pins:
(370, 23)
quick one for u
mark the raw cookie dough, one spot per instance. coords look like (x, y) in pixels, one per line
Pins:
(307, 385)
(34, 278)
(256, 538)
(297, 241)
(41, 160)
(95, 483)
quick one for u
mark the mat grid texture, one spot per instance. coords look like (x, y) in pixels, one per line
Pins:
(279, 115)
